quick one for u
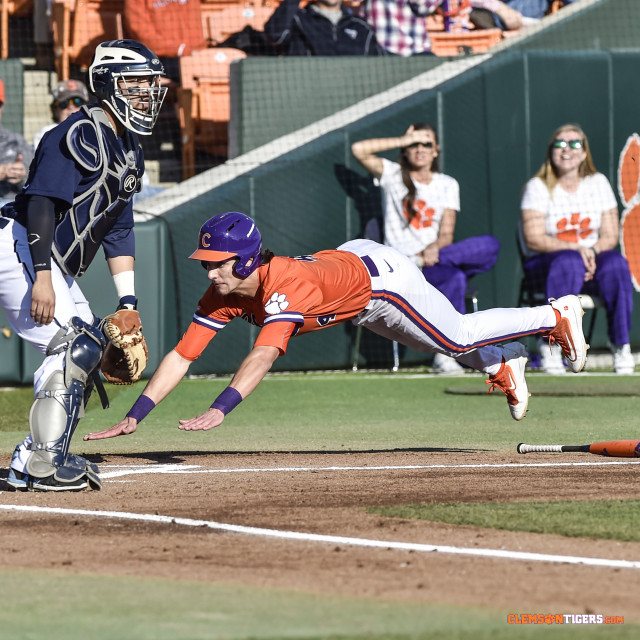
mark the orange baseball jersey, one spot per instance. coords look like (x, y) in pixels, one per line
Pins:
(295, 296)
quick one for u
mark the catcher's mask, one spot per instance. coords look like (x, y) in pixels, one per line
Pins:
(230, 235)
(118, 63)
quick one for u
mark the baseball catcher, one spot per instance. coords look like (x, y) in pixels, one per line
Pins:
(78, 198)
(362, 281)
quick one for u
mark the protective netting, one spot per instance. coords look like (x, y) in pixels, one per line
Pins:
(271, 135)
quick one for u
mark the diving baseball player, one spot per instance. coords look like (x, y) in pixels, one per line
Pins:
(370, 284)
(77, 198)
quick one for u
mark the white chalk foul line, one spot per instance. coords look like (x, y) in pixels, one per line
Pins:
(313, 537)
(195, 469)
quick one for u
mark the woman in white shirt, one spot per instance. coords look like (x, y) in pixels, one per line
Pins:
(570, 228)
(420, 205)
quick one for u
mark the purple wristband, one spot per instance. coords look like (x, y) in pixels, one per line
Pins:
(227, 401)
(141, 407)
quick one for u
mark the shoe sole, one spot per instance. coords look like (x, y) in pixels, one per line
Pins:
(576, 311)
(520, 359)
(45, 488)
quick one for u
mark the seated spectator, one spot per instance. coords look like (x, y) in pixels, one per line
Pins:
(489, 14)
(68, 97)
(511, 14)
(15, 157)
(570, 229)
(170, 29)
(420, 205)
(321, 28)
(400, 25)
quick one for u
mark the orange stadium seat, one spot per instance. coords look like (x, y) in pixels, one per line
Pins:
(454, 43)
(79, 25)
(203, 103)
(9, 8)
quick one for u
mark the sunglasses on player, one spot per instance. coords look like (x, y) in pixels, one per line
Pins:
(426, 145)
(63, 104)
(563, 144)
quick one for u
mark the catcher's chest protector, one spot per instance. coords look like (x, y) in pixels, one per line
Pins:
(111, 170)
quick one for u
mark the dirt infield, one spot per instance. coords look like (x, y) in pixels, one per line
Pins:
(298, 492)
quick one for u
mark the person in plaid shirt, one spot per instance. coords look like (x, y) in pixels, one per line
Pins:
(400, 25)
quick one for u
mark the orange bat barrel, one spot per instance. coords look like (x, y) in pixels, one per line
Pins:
(617, 448)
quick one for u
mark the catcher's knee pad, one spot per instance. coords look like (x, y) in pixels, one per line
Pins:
(59, 404)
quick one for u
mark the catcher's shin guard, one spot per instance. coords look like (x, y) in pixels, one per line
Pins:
(60, 404)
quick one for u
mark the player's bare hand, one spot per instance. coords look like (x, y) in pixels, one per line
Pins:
(43, 298)
(123, 428)
(204, 422)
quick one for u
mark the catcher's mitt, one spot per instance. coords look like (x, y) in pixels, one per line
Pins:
(126, 354)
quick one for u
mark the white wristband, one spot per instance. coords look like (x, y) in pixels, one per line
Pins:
(125, 284)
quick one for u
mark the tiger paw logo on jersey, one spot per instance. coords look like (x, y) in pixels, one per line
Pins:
(629, 192)
(277, 303)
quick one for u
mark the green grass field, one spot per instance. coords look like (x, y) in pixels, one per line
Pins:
(316, 412)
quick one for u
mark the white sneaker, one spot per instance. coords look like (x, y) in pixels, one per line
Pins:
(446, 365)
(623, 362)
(550, 357)
(568, 331)
(510, 379)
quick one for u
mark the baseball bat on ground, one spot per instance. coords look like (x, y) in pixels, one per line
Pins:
(612, 448)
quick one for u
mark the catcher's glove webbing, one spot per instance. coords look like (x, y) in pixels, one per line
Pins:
(126, 354)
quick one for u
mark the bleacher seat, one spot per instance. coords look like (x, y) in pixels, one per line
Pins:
(8, 9)
(203, 103)
(79, 26)
(454, 43)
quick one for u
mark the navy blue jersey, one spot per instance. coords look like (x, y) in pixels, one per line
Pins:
(91, 174)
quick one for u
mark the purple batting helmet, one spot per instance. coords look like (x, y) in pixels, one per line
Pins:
(230, 235)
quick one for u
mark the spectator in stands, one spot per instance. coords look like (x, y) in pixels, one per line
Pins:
(321, 28)
(170, 29)
(420, 205)
(15, 157)
(68, 97)
(400, 25)
(506, 14)
(570, 229)
(489, 14)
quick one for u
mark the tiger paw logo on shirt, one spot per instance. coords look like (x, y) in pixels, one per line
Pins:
(629, 192)
(573, 228)
(277, 303)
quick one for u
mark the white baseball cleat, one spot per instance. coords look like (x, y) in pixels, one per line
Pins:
(568, 331)
(510, 379)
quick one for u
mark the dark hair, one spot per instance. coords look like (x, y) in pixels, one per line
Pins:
(406, 168)
(267, 255)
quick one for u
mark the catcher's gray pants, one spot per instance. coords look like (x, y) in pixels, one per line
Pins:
(406, 308)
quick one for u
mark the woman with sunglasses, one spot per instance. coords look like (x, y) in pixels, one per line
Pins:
(570, 229)
(420, 205)
(68, 97)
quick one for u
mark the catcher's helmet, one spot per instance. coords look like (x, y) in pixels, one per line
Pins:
(113, 63)
(230, 235)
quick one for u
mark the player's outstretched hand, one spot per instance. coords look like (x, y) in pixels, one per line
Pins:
(124, 428)
(206, 421)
